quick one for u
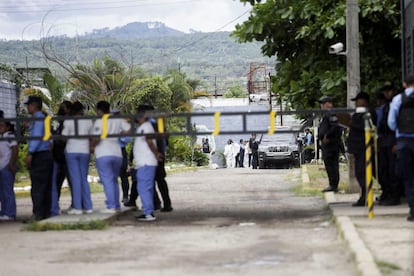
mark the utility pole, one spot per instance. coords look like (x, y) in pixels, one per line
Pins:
(352, 72)
(352, 48)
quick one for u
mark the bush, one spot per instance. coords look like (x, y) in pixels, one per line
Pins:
(20, 160)
(178, 149)
(199, 158)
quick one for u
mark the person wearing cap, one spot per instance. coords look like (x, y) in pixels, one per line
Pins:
(39, 160)
(108, 155)
(390, 185)
(356, 142)
(146, 156)
(329, 136)
(401, 120)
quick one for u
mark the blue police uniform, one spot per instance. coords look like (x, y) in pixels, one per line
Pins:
(41, 169)
(405, 142)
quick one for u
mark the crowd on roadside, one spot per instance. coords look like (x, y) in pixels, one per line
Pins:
(393, 117)
(51, 162)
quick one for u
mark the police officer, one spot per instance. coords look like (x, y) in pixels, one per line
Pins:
(356, 143)
(401, 120)
(329, 135)
(39, 161)
(390, 185)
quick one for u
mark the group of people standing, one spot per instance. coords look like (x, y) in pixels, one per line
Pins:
(394, 121)
(49, 162)
(235, 153)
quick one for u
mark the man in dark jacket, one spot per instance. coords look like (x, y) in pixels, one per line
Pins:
(390, 184)
(401, 120)
(356, 143)
(329, 136)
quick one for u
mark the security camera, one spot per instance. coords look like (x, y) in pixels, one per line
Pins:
(337, 48)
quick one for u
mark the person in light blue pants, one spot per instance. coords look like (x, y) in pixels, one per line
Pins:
(108, 155)
(146, 175)
(77, 154)
(78, 164)
(108, 169)
(146, 161)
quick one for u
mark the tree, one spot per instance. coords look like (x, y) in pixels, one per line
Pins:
(152, 91)
(56, 91)
(182, 90)
(235, 92)
(299, 33)
(105, 79)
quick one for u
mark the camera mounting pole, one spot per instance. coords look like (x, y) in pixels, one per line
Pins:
(352, 50)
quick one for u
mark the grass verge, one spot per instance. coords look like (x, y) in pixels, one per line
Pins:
(41, 227)
(387, 268)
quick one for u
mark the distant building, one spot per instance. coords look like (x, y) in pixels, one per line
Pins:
(407, 11)
(8, 99)
(10, 89)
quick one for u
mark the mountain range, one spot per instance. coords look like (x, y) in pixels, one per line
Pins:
(136, 30)
(215, 58)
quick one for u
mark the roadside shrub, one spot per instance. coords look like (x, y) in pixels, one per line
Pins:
(199, 158)
(178, 149)
(20, 160)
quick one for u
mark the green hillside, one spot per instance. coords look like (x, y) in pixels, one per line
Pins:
(215, 58)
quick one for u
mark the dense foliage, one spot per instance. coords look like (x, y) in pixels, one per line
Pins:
(300, 32)
(235, 92)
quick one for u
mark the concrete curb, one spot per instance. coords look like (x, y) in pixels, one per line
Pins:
(363, 257)
(86, 218)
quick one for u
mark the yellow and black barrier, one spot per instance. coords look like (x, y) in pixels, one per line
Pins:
(369, 144)
(162, 117)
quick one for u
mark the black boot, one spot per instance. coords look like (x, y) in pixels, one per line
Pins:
(359, 203)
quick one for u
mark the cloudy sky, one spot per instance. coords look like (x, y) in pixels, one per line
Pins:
(32, 19)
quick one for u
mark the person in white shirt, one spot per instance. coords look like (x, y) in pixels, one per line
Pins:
(77, 154)
(108, 155)
(146, 159)
(8, 168)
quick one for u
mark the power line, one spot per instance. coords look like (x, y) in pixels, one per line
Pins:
(69, 9)
(208, 34)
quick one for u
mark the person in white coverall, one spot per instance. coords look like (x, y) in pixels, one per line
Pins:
(228, 153)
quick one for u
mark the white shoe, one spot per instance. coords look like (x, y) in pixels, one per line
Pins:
(89, 211)
(66, 210)
(143, 217)
(109, 211)
(75, 212)
(6, 218)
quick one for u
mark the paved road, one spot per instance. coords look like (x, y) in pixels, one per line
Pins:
(225, 222)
